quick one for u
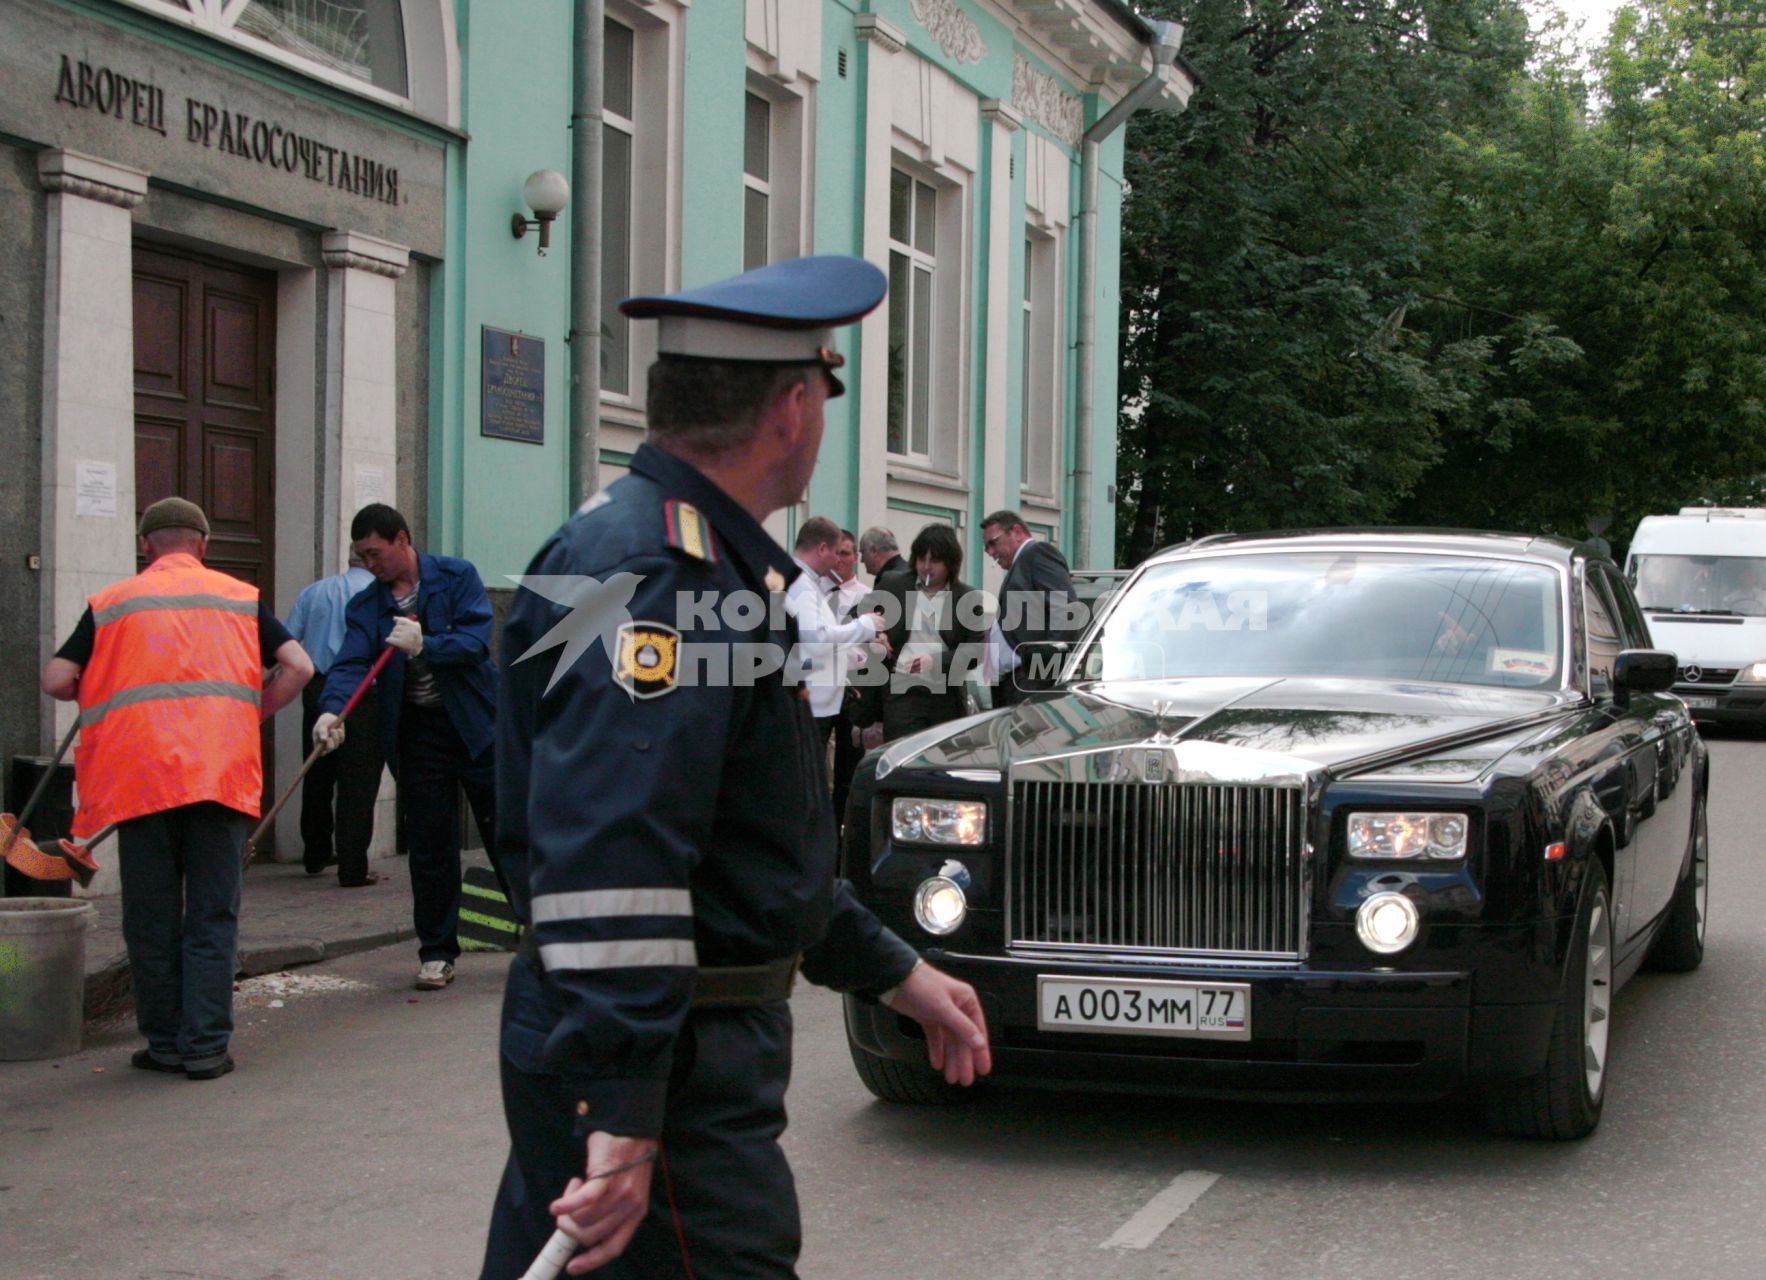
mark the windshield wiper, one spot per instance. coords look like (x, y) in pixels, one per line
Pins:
(1684, 609)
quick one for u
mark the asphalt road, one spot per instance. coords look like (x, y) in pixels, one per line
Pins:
(361, 1139)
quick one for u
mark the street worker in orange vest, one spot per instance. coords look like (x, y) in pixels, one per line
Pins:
(168, 668)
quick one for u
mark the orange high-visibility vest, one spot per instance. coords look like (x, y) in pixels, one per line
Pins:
(169, 700)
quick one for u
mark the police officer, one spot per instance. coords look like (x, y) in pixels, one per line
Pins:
(665, 826)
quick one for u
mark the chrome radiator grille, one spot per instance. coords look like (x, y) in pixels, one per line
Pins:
(1189, 868)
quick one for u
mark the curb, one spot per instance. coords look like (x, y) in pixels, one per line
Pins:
(108, 995)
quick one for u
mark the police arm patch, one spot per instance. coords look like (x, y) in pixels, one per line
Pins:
(648, 661)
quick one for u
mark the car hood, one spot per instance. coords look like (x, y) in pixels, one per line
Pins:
(1702, 640)
(1291, 725)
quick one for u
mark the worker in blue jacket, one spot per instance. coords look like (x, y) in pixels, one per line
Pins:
(666, 832)
(438, 708)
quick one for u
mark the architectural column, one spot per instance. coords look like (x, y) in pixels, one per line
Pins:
(1002, 120)
(88, 537)
(883, 43)
(361, 387)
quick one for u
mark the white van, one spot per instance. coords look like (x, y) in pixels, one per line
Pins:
(1701, 578)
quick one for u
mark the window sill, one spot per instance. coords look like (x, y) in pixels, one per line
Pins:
(931, 479)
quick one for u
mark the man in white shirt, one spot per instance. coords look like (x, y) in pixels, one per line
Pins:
(823, 642)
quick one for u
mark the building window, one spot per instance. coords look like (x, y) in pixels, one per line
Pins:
(1041, 366)
(757, 183)
(365, 40)
(353, 42)
(913, 267)
(618, 141)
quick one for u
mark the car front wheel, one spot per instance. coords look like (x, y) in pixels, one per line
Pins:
(915, 1083)
(1562, 1101)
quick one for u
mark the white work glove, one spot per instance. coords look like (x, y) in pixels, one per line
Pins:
(407, 634)
(328, 733)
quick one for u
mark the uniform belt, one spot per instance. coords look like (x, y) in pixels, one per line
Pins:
(734, 986)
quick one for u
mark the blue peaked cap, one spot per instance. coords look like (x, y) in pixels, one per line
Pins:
(801, 293)
(784, 313)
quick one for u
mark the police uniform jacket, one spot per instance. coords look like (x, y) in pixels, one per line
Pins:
(655, 817)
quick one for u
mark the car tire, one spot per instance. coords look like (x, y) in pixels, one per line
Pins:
(1680, 947)
(1562, 1101)
(906, 1082)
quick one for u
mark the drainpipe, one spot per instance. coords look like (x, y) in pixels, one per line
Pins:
(585, 250)
(1167, 40)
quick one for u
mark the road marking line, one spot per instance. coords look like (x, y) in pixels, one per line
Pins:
(1161, 1211)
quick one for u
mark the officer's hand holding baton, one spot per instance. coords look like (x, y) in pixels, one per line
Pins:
(599, 1212)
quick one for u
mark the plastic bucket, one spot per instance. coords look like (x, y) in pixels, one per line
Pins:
(42, 976)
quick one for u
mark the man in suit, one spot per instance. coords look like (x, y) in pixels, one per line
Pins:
(1036, 600)
(882, 554)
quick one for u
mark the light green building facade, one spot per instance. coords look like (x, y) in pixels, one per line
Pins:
(938, 138)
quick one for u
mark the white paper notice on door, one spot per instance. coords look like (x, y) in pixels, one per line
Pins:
(95, 489)
(370, 485)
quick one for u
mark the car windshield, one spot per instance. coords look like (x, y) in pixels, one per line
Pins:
(1386, 616)
(1701, 584)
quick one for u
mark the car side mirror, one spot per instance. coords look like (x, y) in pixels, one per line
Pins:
(1039, 664)
(1645, 670)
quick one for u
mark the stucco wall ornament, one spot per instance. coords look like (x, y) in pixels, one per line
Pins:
(1041, 98)
(956, 34)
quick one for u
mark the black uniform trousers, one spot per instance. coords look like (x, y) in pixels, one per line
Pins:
(337, 798)
(722, 1170)
(434, 768)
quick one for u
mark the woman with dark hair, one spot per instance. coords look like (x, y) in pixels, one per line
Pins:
(937, 641)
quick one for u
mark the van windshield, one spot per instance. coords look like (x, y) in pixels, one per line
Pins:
(1701, 584)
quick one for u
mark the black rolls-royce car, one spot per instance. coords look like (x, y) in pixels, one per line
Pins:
(1342, 813)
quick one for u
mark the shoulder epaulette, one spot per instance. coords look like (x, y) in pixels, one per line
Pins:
(688, 531)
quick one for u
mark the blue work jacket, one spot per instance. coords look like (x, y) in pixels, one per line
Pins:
(455, 614)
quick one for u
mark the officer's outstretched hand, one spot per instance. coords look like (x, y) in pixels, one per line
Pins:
(956, 1029)
(602, 1210)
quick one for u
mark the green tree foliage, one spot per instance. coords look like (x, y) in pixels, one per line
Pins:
(1388, 269)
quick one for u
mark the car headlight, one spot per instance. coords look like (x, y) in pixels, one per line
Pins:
(1387, 923)
(1753, 673)
(940, 905)
(947, 822)
(1408, 835)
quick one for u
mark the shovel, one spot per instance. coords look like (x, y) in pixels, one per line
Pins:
(251, 844)
(18, 848)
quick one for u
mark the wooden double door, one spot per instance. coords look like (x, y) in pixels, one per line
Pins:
(205, 421)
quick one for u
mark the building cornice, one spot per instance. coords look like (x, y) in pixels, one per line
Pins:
(359, 251)
(879, 31)
(71, 173)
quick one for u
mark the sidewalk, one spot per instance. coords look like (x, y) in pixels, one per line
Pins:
(286, 918)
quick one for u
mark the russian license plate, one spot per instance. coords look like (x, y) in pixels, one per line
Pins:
(1216, 1011)
(1699, 701)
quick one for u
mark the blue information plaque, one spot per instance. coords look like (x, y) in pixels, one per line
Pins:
(513, 404)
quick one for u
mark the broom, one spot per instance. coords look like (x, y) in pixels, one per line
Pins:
(251, 843)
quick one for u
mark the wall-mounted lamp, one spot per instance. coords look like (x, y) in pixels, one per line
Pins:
(545, 192)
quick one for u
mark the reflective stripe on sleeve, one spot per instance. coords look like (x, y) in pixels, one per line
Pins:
(143, 604)
(596, 904)
(630, 953)
(170, 689)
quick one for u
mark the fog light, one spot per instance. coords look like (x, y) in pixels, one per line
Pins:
(1387, 923)
(939, 905)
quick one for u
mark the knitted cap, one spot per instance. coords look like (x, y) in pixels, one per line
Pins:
(173, 513)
